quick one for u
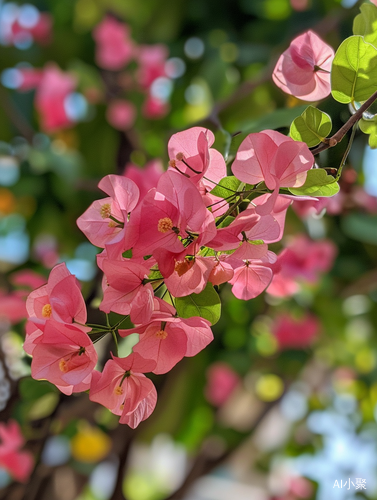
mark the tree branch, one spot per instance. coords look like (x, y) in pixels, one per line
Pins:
(338, 136)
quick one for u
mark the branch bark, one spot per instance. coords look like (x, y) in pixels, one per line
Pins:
(338, 136)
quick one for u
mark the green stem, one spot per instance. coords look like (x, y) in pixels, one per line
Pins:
(120, 224)
(346, 153)
(113, 333)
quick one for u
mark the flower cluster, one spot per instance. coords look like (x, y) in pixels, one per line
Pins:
(189, 233)
(115, 49)
(57, 101)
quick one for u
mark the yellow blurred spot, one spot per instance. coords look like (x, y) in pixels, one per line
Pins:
(87, 14)
(67, 139)
(7, 201)
(292, 102)
(90, 444)
(140, 487)
(373, 393)
(229, 52)
(269, 387)
(266, 344)
(367, 409)
(195, 113)
(365, 361)
(276, 9)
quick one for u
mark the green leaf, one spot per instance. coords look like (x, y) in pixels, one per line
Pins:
(227, 187)
(311, 127)
(31, 390)
(227, 221)
(317, 183)
(370, 127)
(365, 24)
(43, 407)
(205, 304)
(354, 71)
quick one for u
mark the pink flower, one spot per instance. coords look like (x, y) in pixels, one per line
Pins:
(295, 334)
(121, 114)
(123, 388)
(299, 5)
(303, 70)
(167, 215)
(18, 463)
(28, 279)
(221, 272)
(12, 307)
(52, 91)
(151, 59)
(145, 178)
(154, 108)
(124, 291)
(189, 276)
(303, 260)
(60, 299)
(190, 152)
(114, 47)
(65, 356)
(250, 279)
(166, 339)
(221, 382)
(272, 157)
(105, 221)
(31, 78)
(248, 223)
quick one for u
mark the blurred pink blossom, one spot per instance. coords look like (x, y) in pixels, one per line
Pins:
(302, 260)
(295, 333)
(145, 178)
(121, 114)
(151, 59)
(12, 307)
(18, 464)
(51, 93)
(221, 382)
(114, 46)
(154, 108)
(300, 5)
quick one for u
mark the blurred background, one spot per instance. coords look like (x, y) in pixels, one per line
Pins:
(283, 404)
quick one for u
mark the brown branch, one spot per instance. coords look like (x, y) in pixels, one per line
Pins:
(338, 136)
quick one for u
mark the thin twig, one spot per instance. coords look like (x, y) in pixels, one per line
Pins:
(338, 136)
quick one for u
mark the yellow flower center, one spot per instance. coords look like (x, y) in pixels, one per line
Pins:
(164, 225)
(112, 223)
(118, 391)
(105, 211)
(63, 366)
(46, 310)
(161, 334)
